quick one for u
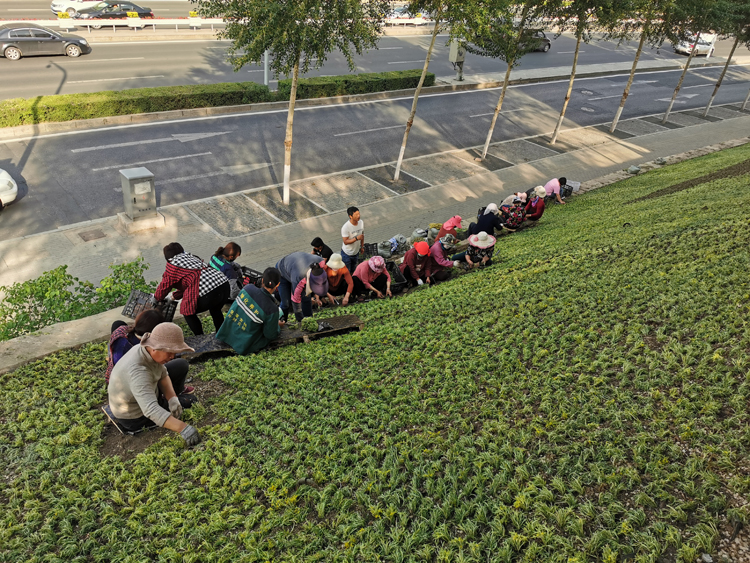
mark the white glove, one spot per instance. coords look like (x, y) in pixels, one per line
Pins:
(420, 282)
(169, 297)
(456, 263)
(175, 407)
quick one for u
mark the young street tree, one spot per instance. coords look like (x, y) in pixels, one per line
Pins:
(460, 19)
(653, 18)
(692, 19)
(737, 25)
(508, 37)
(583, 17)
(299, 35)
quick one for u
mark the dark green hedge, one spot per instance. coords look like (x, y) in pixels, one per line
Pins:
(68, 107)
(327, 86)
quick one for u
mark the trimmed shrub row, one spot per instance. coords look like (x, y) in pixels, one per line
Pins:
(69, 107)
(366, 83)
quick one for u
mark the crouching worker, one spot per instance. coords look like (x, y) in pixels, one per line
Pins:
(535, 207)
(372, 275)
(145, 384)
(479, 253)
(416, 264)
(340, 280)
(253, 321)
(440, 264)
(302, 282)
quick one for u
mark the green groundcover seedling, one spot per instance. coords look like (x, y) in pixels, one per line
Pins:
(584, 399)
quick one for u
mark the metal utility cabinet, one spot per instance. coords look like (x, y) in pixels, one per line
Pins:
(138, 193)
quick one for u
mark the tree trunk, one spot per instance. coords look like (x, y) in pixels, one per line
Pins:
(721, 78)
(410, 121)
(288, 138)
(744, 104)
(499, 105)
(626, 93)
(682, 77)
(570, 90)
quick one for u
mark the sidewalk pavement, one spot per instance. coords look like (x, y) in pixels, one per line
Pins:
(434, 188)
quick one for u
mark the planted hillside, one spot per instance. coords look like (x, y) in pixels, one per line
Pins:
(586, 398)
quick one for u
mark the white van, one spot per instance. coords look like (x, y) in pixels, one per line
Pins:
(706, 45)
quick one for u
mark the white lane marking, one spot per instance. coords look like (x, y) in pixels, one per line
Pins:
(106, 61)
(331, 106)
(493, 113)
(141, 163)
(698, 86)
(604, 97)
(244, 168)
(114, 79)
(406, 62)
(680, 99)
(186, 178)
(261, 70)
(28, 10)
(644, 82)
(385, 48)
(368, 130)
(183, 138)
(568, 52)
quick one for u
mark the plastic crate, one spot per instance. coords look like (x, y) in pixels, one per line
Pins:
(250, 276)
(371, 249)
(398, 281)
(140, 301)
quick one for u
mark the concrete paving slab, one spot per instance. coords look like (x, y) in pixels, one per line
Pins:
(232, 216)
(639, 127)
(559, 147)
(489, 162)
(699, 114)
(441, 168)
(588, 137)
(725, 112)
(686, 120)
(519, 152)
(343, 190)
(657, 121)
(383, 175)
(299, 208)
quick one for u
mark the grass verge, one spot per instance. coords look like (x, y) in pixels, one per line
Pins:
(586, 398)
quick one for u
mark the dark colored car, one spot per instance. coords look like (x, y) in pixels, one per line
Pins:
(540, 40)
(112, 10)
(27, 39)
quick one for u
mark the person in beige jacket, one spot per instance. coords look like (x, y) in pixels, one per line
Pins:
(143, 393)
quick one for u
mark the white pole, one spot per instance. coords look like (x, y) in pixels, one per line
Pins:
(265, 68)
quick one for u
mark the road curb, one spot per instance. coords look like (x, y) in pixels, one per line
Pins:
(40, 129)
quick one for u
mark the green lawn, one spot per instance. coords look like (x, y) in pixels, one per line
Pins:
(586, 398)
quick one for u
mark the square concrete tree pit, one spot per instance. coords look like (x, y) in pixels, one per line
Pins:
(233, 216)
(384, 176)
(441, 168)
(340, 191)
(519, 152)
(273, 200)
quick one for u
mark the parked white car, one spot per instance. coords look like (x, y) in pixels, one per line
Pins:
(706, 45)
(71, 6)
(8, 188)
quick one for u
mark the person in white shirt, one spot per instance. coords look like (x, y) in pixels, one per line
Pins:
(353, 235)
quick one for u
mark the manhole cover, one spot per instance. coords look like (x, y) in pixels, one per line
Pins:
(92, 235)
(588, 110)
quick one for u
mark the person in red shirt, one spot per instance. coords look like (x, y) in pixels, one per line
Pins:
(535, 206)
(416, 264)
(450, 226)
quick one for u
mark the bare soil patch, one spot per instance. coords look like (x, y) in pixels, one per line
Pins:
(127, 447)
(739, 169)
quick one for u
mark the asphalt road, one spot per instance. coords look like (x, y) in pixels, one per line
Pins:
(117, 66)
(68, 178)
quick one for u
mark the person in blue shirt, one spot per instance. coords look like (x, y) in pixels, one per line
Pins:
(223, 261)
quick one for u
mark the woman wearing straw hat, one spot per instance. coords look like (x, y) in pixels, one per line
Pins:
(535, 207)
(479, 253)
(340, 280)
(143, 393)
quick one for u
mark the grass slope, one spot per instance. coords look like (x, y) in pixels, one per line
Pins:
(584, 399)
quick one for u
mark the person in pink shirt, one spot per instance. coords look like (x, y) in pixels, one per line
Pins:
(552, 188)
(372, 275)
